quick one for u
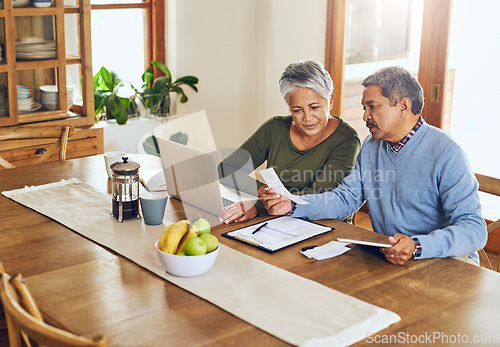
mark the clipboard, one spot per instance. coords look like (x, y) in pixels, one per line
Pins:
(278, 233)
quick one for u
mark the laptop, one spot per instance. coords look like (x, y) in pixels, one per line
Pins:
(194, 126)
(191, 176)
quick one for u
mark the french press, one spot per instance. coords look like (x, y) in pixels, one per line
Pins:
(125, 189)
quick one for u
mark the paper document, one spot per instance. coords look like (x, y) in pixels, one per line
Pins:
(277, 233)
(329, 250)
(157, 182)
(273, 181)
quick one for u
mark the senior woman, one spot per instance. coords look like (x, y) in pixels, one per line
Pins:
(310, 150)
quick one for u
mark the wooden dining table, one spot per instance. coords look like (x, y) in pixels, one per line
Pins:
(88, 289)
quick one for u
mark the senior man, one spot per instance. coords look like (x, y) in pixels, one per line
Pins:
(416, 180)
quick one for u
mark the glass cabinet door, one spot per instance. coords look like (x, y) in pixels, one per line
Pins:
(45, 45)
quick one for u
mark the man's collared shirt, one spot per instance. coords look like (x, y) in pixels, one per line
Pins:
(396, 147)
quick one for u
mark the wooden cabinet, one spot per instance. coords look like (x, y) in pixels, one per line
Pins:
(84, 142)
(46, 47)
(41, 50)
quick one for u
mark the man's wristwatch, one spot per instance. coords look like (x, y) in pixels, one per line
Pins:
(418, 249)
(294, 206)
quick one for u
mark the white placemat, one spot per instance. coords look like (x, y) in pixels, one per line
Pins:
(292, 308)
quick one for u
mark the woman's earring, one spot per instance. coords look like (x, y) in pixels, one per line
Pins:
(293, 122)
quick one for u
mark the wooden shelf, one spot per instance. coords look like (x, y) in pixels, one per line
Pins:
(73, 59)
(34, 11)
(36, 64)
(71, 9)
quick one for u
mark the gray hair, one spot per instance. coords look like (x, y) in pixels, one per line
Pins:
(397, 83)
(306, 74)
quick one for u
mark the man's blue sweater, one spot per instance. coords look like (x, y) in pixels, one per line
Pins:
(426, 190)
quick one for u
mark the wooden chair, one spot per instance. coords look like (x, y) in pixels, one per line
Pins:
(23, 132)
(489, 185)
(24, 319)
(3, 323)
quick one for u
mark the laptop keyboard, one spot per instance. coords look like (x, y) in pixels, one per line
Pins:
(226, 202)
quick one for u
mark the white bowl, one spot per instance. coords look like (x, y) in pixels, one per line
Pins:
(51, 88)
(23, 95)
(25, 104)
(42, 3)
(187, 265)
(20, 3)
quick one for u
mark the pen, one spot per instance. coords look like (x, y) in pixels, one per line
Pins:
(260, 227)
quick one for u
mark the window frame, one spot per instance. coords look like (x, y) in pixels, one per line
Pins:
(155, 26)
(433, 54)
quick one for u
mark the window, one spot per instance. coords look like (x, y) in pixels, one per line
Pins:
(386, 38)
(392, 38)
(471, 88)
(126, 36)
(456, 65)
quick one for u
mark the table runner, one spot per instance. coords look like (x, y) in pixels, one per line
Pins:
(292, 308)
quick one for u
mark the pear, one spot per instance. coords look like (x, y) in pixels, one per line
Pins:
(211, 241)
(203, 226)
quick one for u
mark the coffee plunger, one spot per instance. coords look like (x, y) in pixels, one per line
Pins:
(125, 189)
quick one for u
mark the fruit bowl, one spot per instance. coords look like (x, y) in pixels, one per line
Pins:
(187, 265)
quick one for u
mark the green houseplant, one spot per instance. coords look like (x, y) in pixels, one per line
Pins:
(156, 95)
(106, 99)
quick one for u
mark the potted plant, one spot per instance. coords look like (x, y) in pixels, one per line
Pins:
(106, 99)
(156, 96)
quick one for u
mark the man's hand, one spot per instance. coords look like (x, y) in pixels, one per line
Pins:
(276, 204)
(238, 212)
(401, 250)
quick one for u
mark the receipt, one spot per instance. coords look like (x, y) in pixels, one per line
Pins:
(329, 250)
(273, 181)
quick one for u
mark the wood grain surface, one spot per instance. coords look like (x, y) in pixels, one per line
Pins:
(90, 290)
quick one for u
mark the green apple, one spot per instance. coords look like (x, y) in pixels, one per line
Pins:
(195, 246)
(180, 253)
(211, 241)
(203, 226)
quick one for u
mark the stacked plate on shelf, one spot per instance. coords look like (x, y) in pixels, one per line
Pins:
(25, 101)
(33, 48)
(49, 96)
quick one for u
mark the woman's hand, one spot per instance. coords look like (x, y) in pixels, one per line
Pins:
(261, 190)
(401, 250)
(276, 204)
(238, 212)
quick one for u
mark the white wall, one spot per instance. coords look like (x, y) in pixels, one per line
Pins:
(238, 49)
